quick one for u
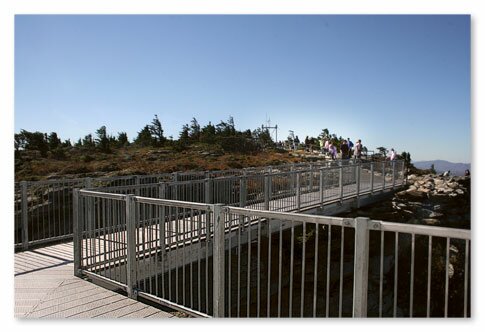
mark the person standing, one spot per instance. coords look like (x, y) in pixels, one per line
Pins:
(327, 145)
(358, 149)
(392, 155)
(333, 151)
(351, 147)
(296, 143)
(344, 149)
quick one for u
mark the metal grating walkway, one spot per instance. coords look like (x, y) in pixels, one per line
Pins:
(45, 287)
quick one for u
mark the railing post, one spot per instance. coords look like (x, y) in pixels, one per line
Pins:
(266, 191)
(311, 179)
(298, 196)
(77, 229)
(404, 177)
(357, 171)
(243, 191)
(321, 189)
(292, 180)
(361, 267)
(137, 185)
(175, 178)
(393, 174)
(88, 183)
(341, 183)
(208, 191)
(162, 194)
(218, 261)
(383, 175)
(371, 177)
(131, 246)
(162, 190)
(25, 215)
(270, 184)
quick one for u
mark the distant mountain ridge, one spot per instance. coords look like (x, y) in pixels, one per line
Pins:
(442, 166)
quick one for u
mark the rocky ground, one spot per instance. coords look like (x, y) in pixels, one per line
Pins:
(428, 199)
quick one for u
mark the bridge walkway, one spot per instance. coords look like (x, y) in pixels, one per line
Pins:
(45, 287)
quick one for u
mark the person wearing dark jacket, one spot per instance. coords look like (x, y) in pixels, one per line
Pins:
(344, 149)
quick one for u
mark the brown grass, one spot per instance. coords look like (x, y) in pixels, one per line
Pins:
(132, 160)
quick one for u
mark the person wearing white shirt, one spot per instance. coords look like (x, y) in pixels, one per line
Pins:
(392, 155)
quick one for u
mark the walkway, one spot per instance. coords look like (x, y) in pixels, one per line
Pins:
(45, 287)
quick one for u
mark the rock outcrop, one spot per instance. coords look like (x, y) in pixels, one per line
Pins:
(428, 199)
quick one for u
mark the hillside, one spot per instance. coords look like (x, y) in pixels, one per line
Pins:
(443, 166)
(76, 162)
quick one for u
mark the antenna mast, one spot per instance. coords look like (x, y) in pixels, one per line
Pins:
(269, 127)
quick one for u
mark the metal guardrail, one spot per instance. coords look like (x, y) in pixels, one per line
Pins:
(225, 261)
(43, 209)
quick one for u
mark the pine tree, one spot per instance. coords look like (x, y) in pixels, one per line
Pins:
(144, 137)
(102, 141)
(156, 132)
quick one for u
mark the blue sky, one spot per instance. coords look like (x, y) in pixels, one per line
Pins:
(394, 81)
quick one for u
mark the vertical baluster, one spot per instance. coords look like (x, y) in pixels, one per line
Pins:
(218, 262)
(25, 220)
(428, 297)
(396, 264)
(411, 282)
(361, 266)
(315, 275)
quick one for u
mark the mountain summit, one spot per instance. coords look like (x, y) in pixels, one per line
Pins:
(442, 166)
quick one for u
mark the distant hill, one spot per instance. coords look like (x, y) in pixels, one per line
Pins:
(442, 166)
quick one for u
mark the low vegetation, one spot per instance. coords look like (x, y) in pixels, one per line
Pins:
(211, 147)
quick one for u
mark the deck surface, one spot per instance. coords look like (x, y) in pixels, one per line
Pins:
(45, 287)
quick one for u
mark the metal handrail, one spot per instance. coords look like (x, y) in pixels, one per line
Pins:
(223, 230)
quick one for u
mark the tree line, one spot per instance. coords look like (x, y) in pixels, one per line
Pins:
(223, 134)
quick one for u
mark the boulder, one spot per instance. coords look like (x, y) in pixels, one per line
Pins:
(431, 221)
(416, 193)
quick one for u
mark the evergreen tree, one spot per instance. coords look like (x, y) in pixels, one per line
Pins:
(67, 143)
(194, 131)
(263, 137)
(156, 132)
(184, 135)
(102, 141)
(88, 141)
(382, 150)
(208, 134)
(406, 156)
(325, 133)
(34, 141)
(144, 137)
(20, 141)
(122, 139)
(53, 141)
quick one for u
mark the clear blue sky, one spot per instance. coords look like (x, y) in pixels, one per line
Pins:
(394, 81)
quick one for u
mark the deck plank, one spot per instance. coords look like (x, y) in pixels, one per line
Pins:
(45, 287)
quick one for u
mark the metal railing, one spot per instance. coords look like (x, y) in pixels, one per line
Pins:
(226, 261)
(290, 190)
(43, 209)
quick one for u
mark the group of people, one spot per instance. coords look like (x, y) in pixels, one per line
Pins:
(347, 148)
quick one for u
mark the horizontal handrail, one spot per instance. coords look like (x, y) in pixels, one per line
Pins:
(438, 231)
(291, 216)
(172, 203)
(100, 194)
